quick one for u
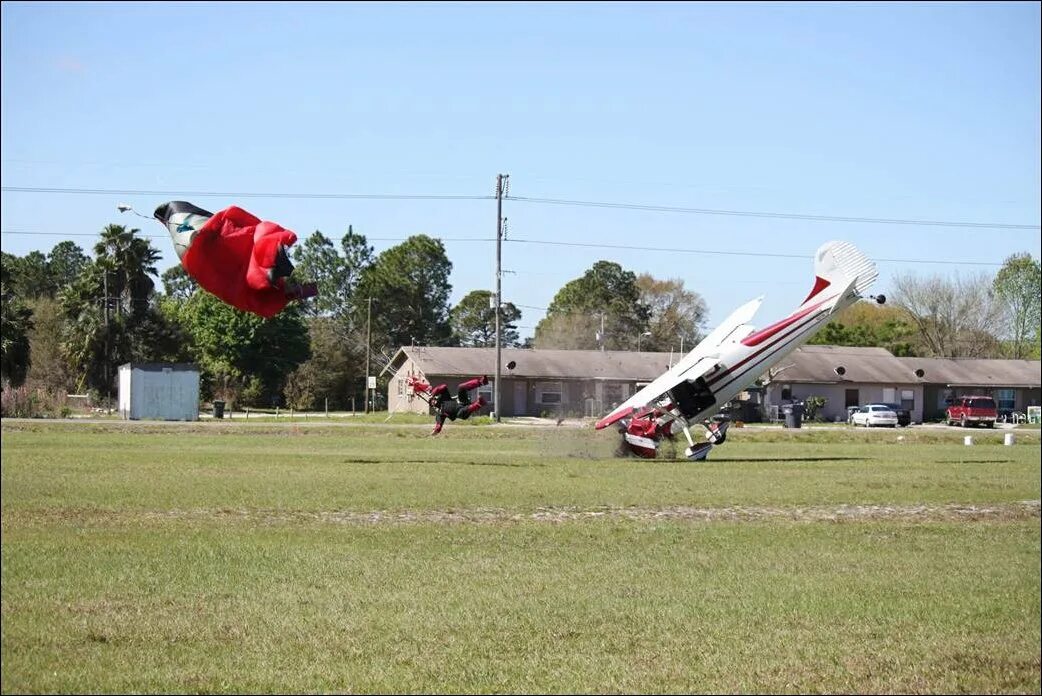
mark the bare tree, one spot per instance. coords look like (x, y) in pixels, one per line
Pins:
(954, 317)
(677, 315)
(568, 331)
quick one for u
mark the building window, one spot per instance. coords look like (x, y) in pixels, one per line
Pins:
(852, 398)
(612, 393)
(786, 392)
(889, 395)
(1006, 399)
(485, 391)
(549, 393)
(908, 399)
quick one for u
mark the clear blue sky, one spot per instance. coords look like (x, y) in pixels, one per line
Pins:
(892, 110)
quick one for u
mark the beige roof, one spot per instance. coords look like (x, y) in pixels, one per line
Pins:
(877, 365)
(967, 372)
(818, 364)
(807, 364)
(535, 363)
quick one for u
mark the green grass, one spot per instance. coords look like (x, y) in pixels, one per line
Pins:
(235, 557)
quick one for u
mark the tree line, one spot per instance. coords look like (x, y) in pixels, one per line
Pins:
(70, 319)
(976, 316)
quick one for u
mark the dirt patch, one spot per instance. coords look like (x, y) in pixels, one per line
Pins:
(840, 513)
(1023, 510)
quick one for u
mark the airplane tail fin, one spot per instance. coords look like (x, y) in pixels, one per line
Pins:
(838, 265)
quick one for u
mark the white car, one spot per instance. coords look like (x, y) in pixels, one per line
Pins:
(874, 414)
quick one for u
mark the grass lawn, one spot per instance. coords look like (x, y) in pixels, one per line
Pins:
(301, 557)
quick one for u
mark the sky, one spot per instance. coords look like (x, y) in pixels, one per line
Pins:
(896, 111)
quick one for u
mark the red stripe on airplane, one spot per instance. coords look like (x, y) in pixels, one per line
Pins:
(763, 334)
(715, 381)
(609, 419)
(774, 329)
(819, 285)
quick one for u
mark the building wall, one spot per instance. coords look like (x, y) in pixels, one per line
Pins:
(158, 394)
(835, 408)
(554, 398)
(594, 398)
(939, 397)
(398, 400)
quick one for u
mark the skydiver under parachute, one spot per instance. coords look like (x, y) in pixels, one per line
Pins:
(235, 256)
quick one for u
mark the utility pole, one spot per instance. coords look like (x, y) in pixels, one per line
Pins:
(108, 380)
(502, 185)
(368, 344)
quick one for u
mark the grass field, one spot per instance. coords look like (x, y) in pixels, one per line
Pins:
(315, 557)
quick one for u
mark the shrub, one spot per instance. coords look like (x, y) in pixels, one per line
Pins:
(812, 406)
(30, 402)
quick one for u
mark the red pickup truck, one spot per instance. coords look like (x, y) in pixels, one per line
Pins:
(973, 410)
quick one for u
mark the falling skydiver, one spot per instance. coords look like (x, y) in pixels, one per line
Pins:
(446, 406)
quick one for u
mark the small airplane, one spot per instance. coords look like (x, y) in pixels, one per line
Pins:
(733, 356)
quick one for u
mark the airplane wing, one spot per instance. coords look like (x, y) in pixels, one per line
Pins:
(742, 315)
(651, 393)
(700, 361)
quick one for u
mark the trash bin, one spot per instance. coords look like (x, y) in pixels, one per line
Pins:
(793, 415)
(218, 409)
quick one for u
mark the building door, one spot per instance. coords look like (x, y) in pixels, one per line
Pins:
(520, 399)
(853, 397)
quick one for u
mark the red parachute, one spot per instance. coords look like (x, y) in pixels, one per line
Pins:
(235, 256)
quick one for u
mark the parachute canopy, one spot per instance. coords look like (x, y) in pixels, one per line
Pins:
(235, 256)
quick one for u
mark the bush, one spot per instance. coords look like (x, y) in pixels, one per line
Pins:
(28, 402)
(812, 406)
(251, 393)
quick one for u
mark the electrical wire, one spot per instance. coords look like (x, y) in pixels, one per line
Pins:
(730, 253)
(531, 199)
(591, 245)
(165, 236)
(241, 194)
(785, 216)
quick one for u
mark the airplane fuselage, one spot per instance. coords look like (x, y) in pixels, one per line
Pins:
(734, 355)
(742, 361)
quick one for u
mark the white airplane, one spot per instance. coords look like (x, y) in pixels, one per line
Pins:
(734, 355)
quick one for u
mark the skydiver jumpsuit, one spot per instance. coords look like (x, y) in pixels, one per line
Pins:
(460, 407)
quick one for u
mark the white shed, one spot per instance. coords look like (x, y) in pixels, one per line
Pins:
(159, 391)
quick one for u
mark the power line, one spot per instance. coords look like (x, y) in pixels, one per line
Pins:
(165, 236)
(732, 253)
(240, 194)
(78, 234)
(591, 245)
(786, 216)
(528, 199)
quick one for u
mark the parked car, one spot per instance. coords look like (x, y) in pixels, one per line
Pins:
(851, 410)
(972, 410)
(904, 416)
(875, 414)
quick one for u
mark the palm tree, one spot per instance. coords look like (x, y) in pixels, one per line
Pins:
(108, 304)
(127, 262)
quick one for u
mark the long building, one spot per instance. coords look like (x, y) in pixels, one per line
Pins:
(590, 383)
